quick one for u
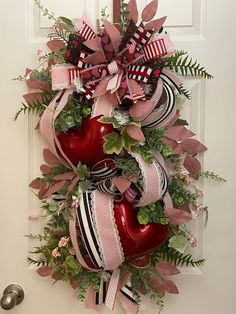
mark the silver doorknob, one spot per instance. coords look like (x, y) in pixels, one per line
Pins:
(12, 296)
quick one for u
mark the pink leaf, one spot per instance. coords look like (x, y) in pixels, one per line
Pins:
(42, 191)
(45, 169)
(50, 158)
(95, 58)
(173, 144)
(178, 133)
(55, 45)
(74, 283)
(65, 176)
(170, 287)
(37, 184)
(156, 24)
(38, 84)
(150, 11)
(177, 216)
(160, 288)
(54, 188)
(135, 132)
(92, 44)
(133, 11)
(193, 146)
(101, 88)
(167, 269)
(44, 271)
(192, 164)
(73, 184)
(33, 98)
(121, 183)
(141, 109)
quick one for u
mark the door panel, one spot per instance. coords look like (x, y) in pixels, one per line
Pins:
(203, 28)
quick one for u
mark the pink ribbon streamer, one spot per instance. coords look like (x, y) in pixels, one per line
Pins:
(108, 236)
(74, 240)
(102, 106)
(47, 125)
(151, 176)
(112, 289)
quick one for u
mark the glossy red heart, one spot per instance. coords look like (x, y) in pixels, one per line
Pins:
(85, 144)
(136, 239)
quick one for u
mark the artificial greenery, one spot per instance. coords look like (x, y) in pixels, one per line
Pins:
(152, 213)
(181, 63)
(180, 193)
(73, 114)
(36, 107)
(212, 175)
(128, 166)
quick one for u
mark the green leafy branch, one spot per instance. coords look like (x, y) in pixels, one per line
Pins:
(181, 63)
(178, 259)
(129, 167)
(49, 15)
(73, 114)
(185, 92)
(36, 107)
(212, 175)
(123, 16)
(180, 194)
(152, 213)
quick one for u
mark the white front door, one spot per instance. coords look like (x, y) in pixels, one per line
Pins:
(206, 30)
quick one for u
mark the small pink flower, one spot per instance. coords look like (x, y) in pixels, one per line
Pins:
(71, 251)
(41, 53)
(196, 210)
(55, 253)
(63, 242)
(192, 240)
(75, 202)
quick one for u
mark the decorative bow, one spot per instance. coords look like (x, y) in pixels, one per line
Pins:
(105, 63)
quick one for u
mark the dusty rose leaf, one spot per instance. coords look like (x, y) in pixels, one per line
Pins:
(121, 183)
(101, 88)
(44, 271)
(173, 144)
(45, 169)
(37, 184)
(179, 133)
(95, 58)
(150, 11)
(74, 283)
(65, 176)
(135, 132)
(38, 84)
(192, 164)
(55, 45)
(167, 269)
(33, 98)
(193, 146)
(160, 288)
(170, 287)
(73, 184)
(177, 216)
(93, 44)
(141, 109)
(50, 158)
(42, 192)
(133, 11)
(178, 150)
(54, 188)
(156, 24)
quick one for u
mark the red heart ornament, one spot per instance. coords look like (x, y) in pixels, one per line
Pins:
(136, 239)
(85, 144)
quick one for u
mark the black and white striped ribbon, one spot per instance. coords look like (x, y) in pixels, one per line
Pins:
(87, 228)
(126, 290)
(107, 187)
(163, 178)
(155, 119)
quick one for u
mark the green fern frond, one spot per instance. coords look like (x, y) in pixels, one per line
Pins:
(181, 63)
(212, 175)
(179, 259)
(39, 262)
(36, 107)
(185, 92)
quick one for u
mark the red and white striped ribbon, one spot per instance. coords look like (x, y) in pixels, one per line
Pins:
(87, 32)
(159, 48)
